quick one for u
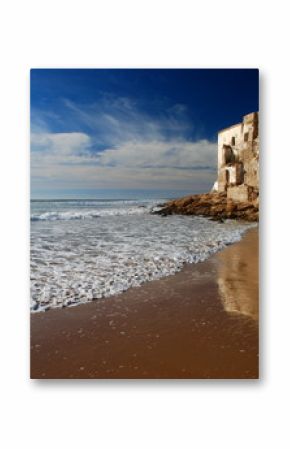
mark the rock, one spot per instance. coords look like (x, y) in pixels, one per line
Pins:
(243, 206)
(220, 220)
(35, 305)
(230, 206)
(215, 205)
(256, 203)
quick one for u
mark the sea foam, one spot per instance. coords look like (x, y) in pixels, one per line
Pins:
(75, 259)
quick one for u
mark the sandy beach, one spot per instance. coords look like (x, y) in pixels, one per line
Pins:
(201, 323)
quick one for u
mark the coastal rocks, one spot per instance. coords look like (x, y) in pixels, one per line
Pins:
(215, 205)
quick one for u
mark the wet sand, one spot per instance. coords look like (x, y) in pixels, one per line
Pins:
(201, 323)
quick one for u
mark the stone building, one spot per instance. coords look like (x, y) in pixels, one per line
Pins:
(238, 159)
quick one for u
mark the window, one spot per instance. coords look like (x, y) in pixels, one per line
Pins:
(228, 155)
(246, 137)
(233, 141)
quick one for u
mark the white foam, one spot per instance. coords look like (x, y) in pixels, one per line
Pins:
(96, 210)
(73, 262)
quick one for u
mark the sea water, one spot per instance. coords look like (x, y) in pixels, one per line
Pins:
(84, 250)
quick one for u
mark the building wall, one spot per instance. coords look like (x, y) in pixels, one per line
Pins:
(238, 156)
(238, 193)
(225, 138)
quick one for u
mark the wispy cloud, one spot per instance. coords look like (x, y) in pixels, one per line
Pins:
(179, 154)
(115, 120)
(123, 146)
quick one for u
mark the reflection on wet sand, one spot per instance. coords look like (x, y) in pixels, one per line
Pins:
(238, 278)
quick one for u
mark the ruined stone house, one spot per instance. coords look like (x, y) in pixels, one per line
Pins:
(238, 159)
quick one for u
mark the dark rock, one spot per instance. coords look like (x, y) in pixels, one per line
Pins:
(214, 205)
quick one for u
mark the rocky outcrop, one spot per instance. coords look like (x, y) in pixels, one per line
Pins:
(215, 205)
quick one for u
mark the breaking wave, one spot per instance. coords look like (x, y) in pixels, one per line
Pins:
(82, 215)
(75, 259)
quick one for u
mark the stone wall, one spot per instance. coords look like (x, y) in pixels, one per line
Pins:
(238, 157)
(238, 193)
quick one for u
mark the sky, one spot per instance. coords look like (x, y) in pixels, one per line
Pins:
(130, 133)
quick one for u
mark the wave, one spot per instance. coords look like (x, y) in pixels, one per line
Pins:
(96, 203)
(82, 215)
(93, 262)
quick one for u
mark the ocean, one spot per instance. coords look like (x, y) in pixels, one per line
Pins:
(84, 250)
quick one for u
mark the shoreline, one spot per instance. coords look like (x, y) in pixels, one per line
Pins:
(46, 306)
(199, 323)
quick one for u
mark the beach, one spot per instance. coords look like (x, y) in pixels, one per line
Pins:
(200, 323)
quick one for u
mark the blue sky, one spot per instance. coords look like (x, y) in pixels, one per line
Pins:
(129, 133)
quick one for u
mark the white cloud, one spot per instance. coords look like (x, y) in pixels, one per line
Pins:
(137, 151)
(160, 165)
(60, 143)
(174, 153)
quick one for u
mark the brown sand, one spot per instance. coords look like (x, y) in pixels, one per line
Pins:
(201, 323)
